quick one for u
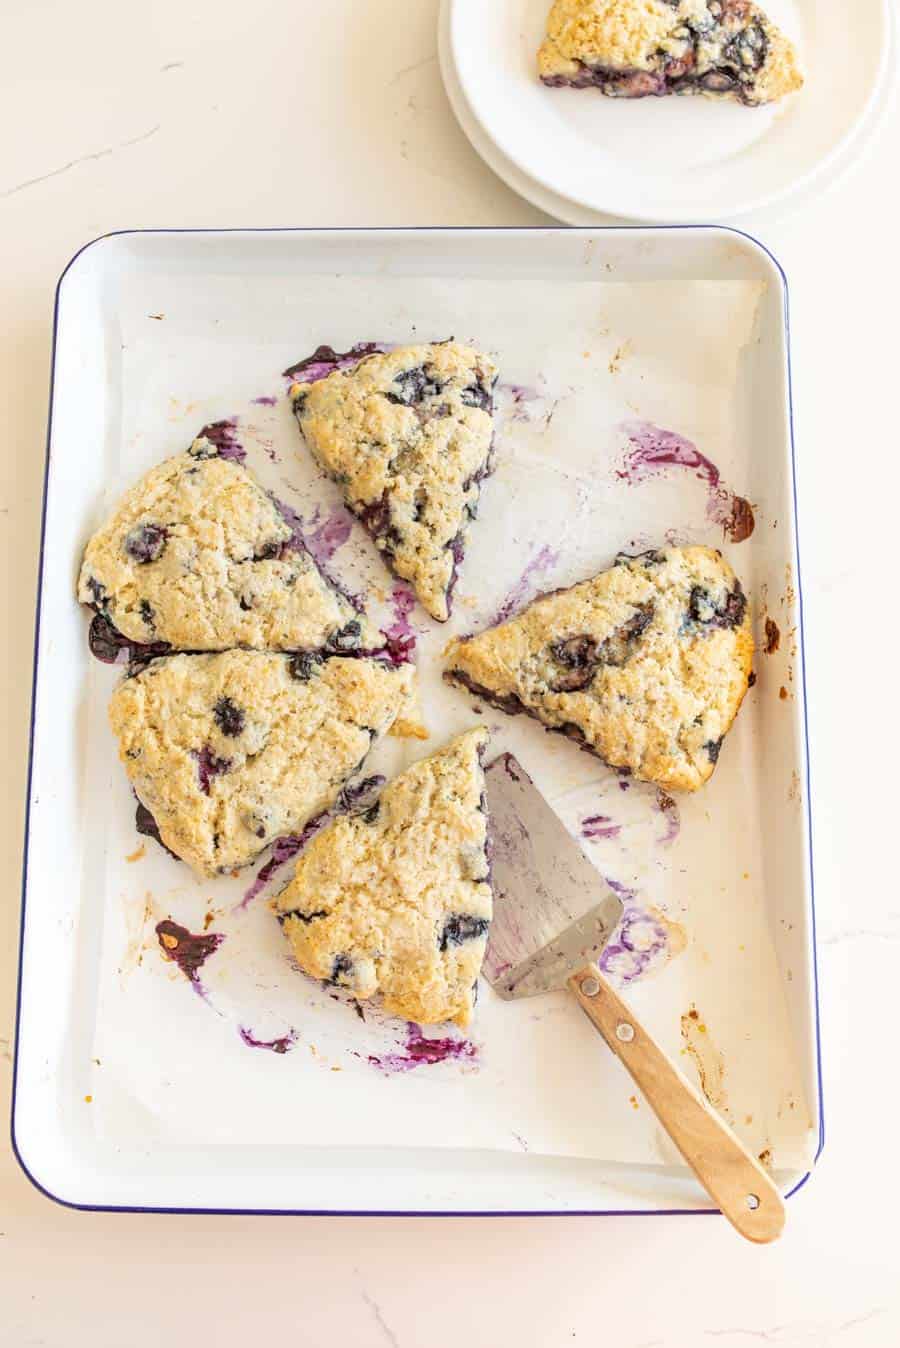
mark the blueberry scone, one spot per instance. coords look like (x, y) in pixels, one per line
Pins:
(645, 665)
(397, 900)
(635, 48)
(229, 751)
(198, 557)
(407, 434)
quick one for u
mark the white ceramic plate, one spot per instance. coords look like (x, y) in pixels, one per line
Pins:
(680, 158)
(572, 213)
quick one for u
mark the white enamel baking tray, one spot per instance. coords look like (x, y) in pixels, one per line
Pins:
(131, 1092)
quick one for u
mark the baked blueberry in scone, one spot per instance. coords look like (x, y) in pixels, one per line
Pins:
(397, 899)
(636, 48)
(645, 665)
(198, 557)
(407, 434)
(229, 751)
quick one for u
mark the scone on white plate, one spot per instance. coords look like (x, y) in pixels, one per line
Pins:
(230, 751)
(635, 48)
(407, 434)
(397, 900)
(645, 665)
(198, 557)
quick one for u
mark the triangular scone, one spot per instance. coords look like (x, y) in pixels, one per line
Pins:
(407, 435)
(397, 900)
(230, 751)
(635, 48)
(199, 557)
(645, 665)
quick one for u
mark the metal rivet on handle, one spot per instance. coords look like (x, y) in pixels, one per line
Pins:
(590, 987)
(752, 1202)
(625, 1032)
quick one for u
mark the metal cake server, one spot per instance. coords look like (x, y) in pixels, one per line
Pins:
(553, 916)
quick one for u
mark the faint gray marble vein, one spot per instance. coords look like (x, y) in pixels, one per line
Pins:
(379, 1319)
(82, 159)
(817, 1334)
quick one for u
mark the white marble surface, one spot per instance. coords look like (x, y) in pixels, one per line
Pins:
(333, 114)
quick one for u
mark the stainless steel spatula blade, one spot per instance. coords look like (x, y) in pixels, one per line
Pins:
(553, 913)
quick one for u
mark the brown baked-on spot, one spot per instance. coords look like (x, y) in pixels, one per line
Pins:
(773, 637)
(741, 521)
(188, 950)
(783, 693)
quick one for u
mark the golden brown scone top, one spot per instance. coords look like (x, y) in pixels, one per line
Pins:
(646, 664)
(397, 900)
(197, 555)
(408, 434)
(634, 48)
(230, 751)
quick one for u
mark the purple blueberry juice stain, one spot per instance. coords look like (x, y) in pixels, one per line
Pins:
(457, 550)
(668, 808)
(300, 542)
(400, 636)
(223, 434)
(265, 401)
(527, 403)
(639, 941)
(325, 537)
(297, 540)
(325, 360)
(284, 849)
(418, 1051)
(543, 560)
(598, 827)
(188, 950)
(355, 796)
(108, 644)
(146, 825)
(514, 400)
(283, 1044)
(625, 894)
(655, 450)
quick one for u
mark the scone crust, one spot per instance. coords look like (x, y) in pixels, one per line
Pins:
(627, 36)
(621, 34)
(199, 556)
(397, 900)
(408, 436)
(230, 751)
(645, 665)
